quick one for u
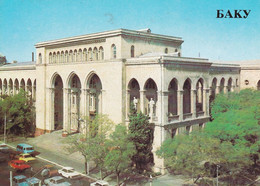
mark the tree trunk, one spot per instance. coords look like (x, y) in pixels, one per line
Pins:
(101, 174)
(86, 166)
(117, 178)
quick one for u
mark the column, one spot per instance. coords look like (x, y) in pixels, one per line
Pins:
(51, 110)
(225, 89)
(180, 104)
(233, 88)
(128, 104)
(66, 106)
(217, 89)
(142, 101)
(193, 102)
(206, 101)
(33, 92)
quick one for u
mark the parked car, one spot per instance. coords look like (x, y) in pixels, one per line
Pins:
(4, 148)
(32, 182)
(26, 149)
(19, 180)
(56, 181)
(69, 172)
(18, 165)
(26, 157)
(100, 183)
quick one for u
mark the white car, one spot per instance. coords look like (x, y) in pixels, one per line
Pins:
(69, 172)
(56, 181)
(100, 183)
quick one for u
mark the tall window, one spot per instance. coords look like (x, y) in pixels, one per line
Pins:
(113, 51)
(50, 57)
(166, 51)
(95, 53)
(132, 51)
(40, 58)
(101, 53)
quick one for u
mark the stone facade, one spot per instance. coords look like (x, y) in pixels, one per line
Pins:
(105, 72)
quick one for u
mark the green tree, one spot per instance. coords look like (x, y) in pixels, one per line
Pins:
(231, 140)
(121, 149)
(92, 144)
(20, 113)
(142, 137)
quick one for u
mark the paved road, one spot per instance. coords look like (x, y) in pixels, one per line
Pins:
(36, 165)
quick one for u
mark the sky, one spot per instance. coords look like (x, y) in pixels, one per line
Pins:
(23, 23)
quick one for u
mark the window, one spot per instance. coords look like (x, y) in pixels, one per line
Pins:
(101, 53)
(166, 51)
(237, 82)
(40, 58)
(246, 82)
(132, 51)
(95, 54)
(113, 51)
(50, 57)
(90, 54)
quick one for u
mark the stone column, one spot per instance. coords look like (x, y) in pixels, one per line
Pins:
(225, 89)
(217, 90)
(142, 101)
(128, 104)
(66, 111)
(33, 92)
(52, 109)
(233, 88)
(193, 102)
(180, 104)
(206, 101)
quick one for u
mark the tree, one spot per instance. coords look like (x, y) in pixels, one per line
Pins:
(92, 144)
(121, 149)
(230, 140)
(142, 137)
(19, 110)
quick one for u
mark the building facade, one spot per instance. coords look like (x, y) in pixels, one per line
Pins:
(106, 72)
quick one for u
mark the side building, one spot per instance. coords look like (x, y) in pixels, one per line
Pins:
(108, 71)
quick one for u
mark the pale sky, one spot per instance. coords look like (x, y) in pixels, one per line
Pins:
(27, 22)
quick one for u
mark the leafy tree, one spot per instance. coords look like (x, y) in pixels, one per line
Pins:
(121, 149)
(20, 113)
(142, 137)
(92, 144)
(231, 140)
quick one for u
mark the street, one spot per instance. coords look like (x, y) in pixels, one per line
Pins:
(34, 171)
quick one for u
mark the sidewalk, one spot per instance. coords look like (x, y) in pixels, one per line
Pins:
(51, 148)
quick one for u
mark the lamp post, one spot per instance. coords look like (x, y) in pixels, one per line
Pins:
(217, 174)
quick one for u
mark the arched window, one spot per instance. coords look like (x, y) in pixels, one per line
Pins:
(166, 51)
(75, 56)
(101, 53)
(132, 51)
(85, 54)
(40, 58)
(113, 47)
(90, 54)
(66, 56)
(58, 57)
(95, 52)
(80, 55)
(62, 57)
(54, 57)
(50, 57)
(71, 56)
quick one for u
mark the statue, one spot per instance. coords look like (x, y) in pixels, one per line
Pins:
(151, 105)
(135, 101)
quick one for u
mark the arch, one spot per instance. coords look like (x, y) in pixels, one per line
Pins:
(70, 56)
(199, 95)
(94, 86)
(172, 98)
(229, 85)
(40, 58)
(80, 55)
(29, 87)
(150, 100)
(5, 87)
(101, 53)
(222, 85)
(58, 57)
(95, 54)
(132, 51)
(258, 85)
(10, 87)
(62, 57)
(22, 84)
(54, 57)
(85, 54)
(113, 51)
(90, 54)
(66, 56)
(133, 95)
(57, 104)
(187, 96)
(75, 55)
(16, 86)
(74, 86)
(50, 57)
